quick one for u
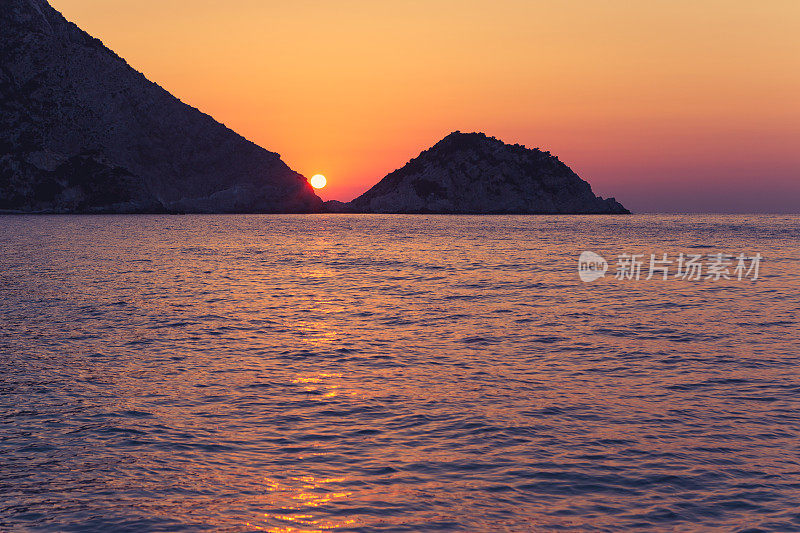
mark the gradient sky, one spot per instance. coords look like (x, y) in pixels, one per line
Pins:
(668, 105)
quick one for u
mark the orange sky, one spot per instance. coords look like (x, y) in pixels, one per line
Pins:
(669, 105)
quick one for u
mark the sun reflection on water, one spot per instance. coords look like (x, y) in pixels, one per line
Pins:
(295, 497)
(299, 502)
(321, 383)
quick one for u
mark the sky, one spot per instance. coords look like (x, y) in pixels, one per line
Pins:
(667, 105)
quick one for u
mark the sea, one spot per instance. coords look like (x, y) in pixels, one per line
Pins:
(376, 373)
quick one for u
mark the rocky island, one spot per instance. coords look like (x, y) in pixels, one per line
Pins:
(83, 132)
(472, 173)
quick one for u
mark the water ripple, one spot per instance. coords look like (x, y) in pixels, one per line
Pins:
(391, 373)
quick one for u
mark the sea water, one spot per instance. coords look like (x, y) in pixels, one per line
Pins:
(398, 373)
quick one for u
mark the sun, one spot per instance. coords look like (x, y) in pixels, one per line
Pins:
(319, 181)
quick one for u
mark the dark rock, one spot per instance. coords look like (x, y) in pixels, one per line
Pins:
(335, 206)
(473, 173)
(81, 131)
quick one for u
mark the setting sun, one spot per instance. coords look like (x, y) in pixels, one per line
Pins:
(319, 181)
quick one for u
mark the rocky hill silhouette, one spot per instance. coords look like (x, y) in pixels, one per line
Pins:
(82, 131)
(473, 173)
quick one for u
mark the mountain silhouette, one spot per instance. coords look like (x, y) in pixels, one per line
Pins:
(473, 173)
(82, 131)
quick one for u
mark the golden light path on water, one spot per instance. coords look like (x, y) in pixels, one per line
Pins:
(299, 496)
